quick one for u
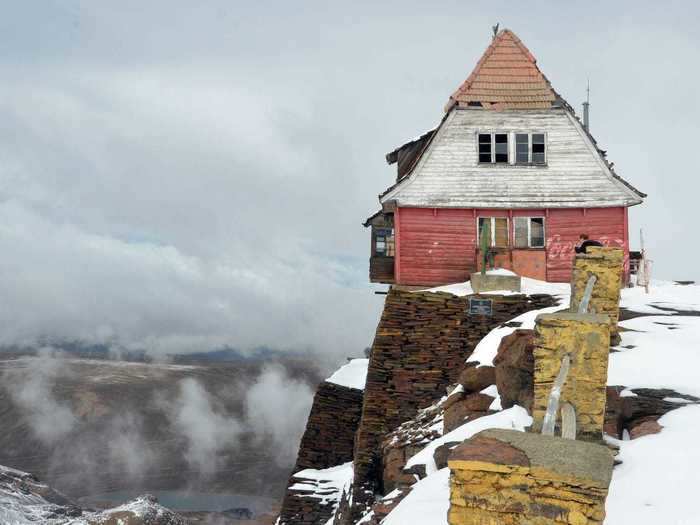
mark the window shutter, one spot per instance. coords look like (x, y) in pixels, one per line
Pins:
(501, 232)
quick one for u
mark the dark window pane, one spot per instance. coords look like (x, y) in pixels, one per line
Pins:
(538, 148)
(484, 148)
(537, 233)
(501, 138)
(484, 138)
(538, 138)
(485, 157)
(538, 158)
(501, 157)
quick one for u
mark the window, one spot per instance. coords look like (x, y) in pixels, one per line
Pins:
(528, 232)
(498, 230)
(529, 148)
(384, 242)
(493, 148)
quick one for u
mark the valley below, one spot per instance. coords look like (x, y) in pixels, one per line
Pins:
(198, 436)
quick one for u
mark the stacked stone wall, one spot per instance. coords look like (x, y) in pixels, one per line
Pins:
(327, 442)
(420, 347)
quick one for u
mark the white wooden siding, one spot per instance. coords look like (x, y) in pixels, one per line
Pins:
(449, 173)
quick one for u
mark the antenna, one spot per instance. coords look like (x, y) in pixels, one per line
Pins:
(586, 105)
(495, 30)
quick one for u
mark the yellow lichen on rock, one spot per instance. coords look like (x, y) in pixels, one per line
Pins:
(502, 477)
(585, 338)
(607, 264)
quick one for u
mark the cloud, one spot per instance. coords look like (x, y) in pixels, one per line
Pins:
(49, 419)
(277, 407)
(184, 177)
(207, 429)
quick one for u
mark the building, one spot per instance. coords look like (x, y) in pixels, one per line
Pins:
(509, 153)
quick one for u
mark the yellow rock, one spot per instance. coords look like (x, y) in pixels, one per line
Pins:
(585, 338)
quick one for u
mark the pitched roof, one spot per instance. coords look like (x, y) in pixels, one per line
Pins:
(448, 173)
(506, 77)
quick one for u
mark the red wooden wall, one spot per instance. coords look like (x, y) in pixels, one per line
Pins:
(438, 246)
(435, 246)
(563, 227)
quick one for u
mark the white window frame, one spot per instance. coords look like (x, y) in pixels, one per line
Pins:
(509, 137)
(493, 230)
(529, 148)
(529, 232)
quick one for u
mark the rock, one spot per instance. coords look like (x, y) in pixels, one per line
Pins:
(644, 427)
(514, 369)
(475, 379)
(471, 406)
(614, 422)
(442, 452)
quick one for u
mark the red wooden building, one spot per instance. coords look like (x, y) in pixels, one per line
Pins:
(509, 152)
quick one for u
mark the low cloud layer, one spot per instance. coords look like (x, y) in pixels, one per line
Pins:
(92, 434)
(277, 407)
(207, 429)
(179, 177)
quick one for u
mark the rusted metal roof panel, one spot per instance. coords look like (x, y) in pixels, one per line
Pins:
(449, 174)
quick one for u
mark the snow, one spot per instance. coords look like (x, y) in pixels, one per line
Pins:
(426, 504)
(513, 418)
(659, 358)
(500, 271)
(351, 375)
(326, 485)
(657, 481)
(485, 352)
(528, 287)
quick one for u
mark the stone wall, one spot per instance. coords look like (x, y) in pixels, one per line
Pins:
(420, 347)
(505, 477)
(608, 267)
(585, 338)
(330, 430)
(327, 442)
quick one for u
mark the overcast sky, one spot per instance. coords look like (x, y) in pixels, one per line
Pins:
(184, 175)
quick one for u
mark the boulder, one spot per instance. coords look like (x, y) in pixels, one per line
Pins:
(475, 379)
(514, 369)
(442, 453)
(470, 406)
(644, 427)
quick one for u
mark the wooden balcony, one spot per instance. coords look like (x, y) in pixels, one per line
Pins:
(381, 269)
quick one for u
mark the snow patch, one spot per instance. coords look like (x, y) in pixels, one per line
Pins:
(351, 375)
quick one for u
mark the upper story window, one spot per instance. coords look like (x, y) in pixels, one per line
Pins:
(530, 148)
(493, 148)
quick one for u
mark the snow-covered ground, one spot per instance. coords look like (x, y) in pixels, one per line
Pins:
(658, 479)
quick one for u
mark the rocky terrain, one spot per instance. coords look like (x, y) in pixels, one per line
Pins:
(103, 431)
(651, 418)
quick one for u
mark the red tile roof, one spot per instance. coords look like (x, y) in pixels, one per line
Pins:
(506, 77)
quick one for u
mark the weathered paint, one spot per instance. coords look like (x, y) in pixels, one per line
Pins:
(438, 246)
(435, 246)
(607, 225)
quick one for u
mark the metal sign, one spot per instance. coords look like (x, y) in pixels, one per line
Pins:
(480, 306)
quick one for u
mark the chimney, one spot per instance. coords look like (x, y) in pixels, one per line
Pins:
(586, 105)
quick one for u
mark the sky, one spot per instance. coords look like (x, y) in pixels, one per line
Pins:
(181, 176)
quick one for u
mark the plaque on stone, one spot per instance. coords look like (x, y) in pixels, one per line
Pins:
(479, 306)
